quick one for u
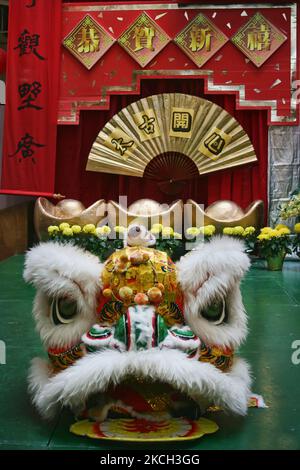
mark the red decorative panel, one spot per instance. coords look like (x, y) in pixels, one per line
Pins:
(246, 50)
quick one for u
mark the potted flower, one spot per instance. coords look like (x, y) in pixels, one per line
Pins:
(247, 234)
(199, 234)
(88, 237)
(168, 240)
(296, 239)
(274, 244)
(291, 208)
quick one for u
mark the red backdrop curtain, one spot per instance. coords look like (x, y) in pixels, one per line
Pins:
(242, 185)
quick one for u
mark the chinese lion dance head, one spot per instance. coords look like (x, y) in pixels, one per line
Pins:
(139, 335)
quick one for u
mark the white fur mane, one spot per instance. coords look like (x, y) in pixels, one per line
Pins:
(213, 271)
(63, 270)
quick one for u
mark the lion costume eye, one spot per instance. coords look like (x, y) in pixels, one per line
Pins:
(137, 231)
(63, 311)
(215, 312)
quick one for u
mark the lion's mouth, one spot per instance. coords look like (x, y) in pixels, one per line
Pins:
(142, 399)
(105, 382)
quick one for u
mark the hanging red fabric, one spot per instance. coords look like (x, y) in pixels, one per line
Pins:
(32, 83)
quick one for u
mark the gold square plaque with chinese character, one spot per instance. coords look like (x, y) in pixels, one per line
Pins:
(88, 41)
(144, 39)
(147, 124)
(121, 143)
(258, 39)
(214, 143)
(181, 122)
(200, 40)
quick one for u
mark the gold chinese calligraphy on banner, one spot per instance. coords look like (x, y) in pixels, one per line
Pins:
(88, 41)
(200, 39)
(144, 39)
(258, 39)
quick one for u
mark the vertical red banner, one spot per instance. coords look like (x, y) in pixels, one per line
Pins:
(32, 81)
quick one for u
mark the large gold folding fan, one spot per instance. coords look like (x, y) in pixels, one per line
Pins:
(171, 136)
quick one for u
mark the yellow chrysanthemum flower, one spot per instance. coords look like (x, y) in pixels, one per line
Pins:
(177, 235)
(207, 230)
(157, 227)
(67, 231)
(53, 229)
(228, 230)
(266, 230)
(63, 225)
(249, 230)
(89, 228)
(167, 231)
(297, 228)
(284, 231)
(194, 231)
(155, 230)
(119, 229)
(212, 228)
(98, 231)
(76, 228)
(238, 230)
(264, 236)
(273, 233)
(279, 226)
(104, 230)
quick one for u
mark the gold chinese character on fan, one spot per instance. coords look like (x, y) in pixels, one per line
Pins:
(181, 122)
(214, 143)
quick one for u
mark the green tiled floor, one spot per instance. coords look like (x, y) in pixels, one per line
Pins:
(273, 304)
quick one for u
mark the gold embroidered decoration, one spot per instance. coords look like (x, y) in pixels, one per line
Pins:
(60, 360)
(219, 357)
(140, 273)
(111, 312)
(171, 313)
